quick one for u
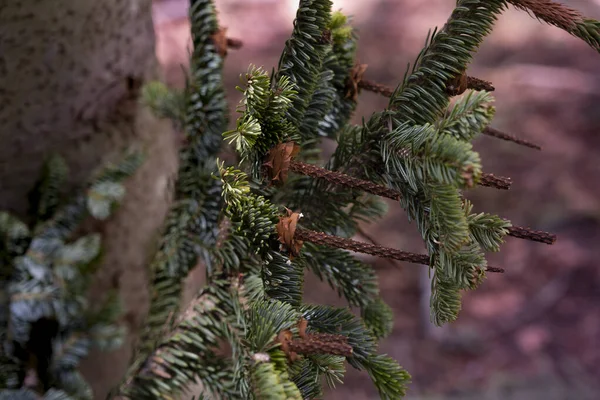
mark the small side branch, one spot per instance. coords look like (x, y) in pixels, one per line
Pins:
(551, 12)
(510, 138)
(479, 84)
(365, 248)
(470, 82)
(530, 234)
(498, 182)
(338, 178)
(375, 87)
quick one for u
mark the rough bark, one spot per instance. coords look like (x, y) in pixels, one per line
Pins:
(70, 71)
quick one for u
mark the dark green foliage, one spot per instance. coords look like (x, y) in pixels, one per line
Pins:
(302, 61)
(379, 318)
(191, 227)
(352, 279)
(46, 320)
(187, 351)
(229, 337)
(206, 110)
(263, 122)
(46, 195)
(339, 60)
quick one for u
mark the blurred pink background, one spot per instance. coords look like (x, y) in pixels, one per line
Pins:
(534, 332)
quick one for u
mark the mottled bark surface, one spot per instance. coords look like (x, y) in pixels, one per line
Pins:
(70, 72)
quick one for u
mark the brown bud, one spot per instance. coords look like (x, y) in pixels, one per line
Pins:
(354, 78)
(278, 161)
(286, 229)
(219, 39)
(457, 85)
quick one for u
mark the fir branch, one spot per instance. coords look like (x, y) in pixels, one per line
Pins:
(321, 105)
(45, 197)
(530, 234)
(375, 87)
(422, 97)
(487, 230)
(265, 320)
(470, 115)
(271, 384)
(505, 136)
(479, 84)
(497, 182)
(190, 231)
(189, 235)
(283, 279)
(379, 318)
(303, 55)
(188, 351)
(312, 345)
(340, 60)
(338, 178)
(341, 321)
(563, 17)
(263, 108)
(352, 279)
(366, 248)
(206, 110)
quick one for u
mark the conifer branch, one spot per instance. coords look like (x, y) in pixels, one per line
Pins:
(530, 234)
(281, 159)
(479, 84)
(188, 351)
(505, 136)
(498, 182)
(471, 83)
(302, 60)
(312, 345)
(323, 239)
(375, 87)
(551, 12)
(338, 178)
(188, 234)
(563, 17)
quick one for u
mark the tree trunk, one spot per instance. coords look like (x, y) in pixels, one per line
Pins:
(70, 72)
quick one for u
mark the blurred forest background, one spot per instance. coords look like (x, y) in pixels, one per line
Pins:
(534, 332)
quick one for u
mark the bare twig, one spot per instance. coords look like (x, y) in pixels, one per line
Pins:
(505, 136)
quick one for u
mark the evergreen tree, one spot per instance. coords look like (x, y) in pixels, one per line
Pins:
(259, 224)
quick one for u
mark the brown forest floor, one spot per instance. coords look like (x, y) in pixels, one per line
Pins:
(533, 332)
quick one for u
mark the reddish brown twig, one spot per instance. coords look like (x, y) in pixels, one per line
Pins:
(280, 161)
(321, 238)
(470, 83)
(310, 345)
(530, 234)
(341, 179)
(375, 87)
(328, 337)
(498, 182)
(313, 343)
(479, 84)
(338, 178)
(505, 136)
